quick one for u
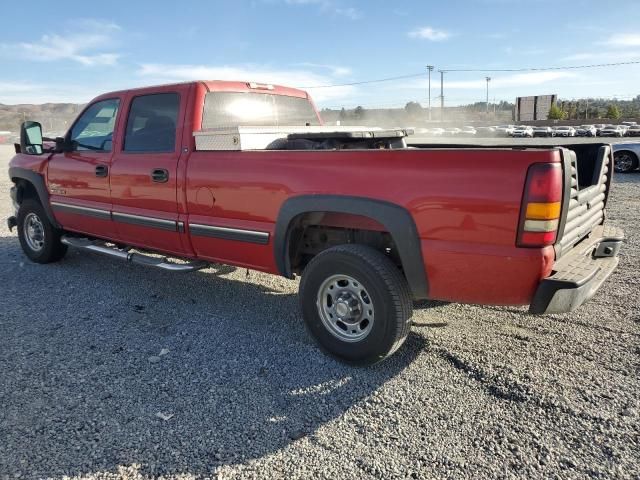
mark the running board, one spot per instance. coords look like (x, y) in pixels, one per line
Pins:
(137, 258)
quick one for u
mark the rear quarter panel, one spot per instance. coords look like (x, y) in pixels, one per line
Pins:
(465, 204)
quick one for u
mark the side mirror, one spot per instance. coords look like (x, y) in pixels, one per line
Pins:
(31, 138)
(62, 145)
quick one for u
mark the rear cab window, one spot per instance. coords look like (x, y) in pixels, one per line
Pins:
(152, 123)
(253, 109)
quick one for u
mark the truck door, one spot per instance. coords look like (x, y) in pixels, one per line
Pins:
(144, 174)
(78, 179)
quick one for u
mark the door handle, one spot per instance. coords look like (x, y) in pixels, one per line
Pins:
(102, 171)
(160, 175)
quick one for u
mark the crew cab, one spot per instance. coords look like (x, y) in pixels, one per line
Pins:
(181, 176)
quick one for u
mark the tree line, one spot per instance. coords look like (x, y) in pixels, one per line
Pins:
(595, 108)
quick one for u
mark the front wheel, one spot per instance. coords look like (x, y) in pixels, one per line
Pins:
(356, 303)
(39, 239)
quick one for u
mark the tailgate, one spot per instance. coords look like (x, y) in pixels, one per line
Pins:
(586, 249)
(587, 170)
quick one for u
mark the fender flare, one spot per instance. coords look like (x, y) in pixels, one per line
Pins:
(37, 180)
(396, 219)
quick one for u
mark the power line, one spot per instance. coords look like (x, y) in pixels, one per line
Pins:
(544, 69)
(485, 70)
(379, 80)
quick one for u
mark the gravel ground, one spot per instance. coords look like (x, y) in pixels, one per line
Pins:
(119, 371)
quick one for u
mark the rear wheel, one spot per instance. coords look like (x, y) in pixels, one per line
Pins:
(624, 162)
(356, 303)
(39, 239)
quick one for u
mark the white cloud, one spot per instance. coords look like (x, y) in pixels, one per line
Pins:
(330, 6)
(9, 88)
(603, 56)
(349, 12)
(429, 33)
(85, 46)
(496, 35)
(517, 80)
(336, 70)
(624, 40)
(528, 79)
(12, 92)
(160, 73)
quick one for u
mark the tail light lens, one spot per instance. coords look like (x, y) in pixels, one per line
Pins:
(541, 205)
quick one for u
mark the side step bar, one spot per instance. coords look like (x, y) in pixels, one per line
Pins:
(137, 258)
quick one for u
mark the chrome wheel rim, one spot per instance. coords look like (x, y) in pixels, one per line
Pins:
(345, 308)
(623, 162)
(34, 232)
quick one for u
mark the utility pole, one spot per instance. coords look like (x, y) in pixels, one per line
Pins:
(429, 69)
(586, 111)
(488, 80)
(442, 72)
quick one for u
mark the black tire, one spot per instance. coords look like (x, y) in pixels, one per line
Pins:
(52, 249)
(624, 162)
(380, 282)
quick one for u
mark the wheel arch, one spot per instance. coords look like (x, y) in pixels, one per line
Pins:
(28, 179)
(396, 220)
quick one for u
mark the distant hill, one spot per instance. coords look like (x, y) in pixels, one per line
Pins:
(55, 117)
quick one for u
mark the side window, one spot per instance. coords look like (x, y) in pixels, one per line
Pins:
(151, 126)
(94, 129)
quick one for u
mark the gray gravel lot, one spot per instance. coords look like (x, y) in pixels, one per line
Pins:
(94, 352)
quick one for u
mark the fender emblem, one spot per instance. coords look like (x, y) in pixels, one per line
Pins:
(57, 189)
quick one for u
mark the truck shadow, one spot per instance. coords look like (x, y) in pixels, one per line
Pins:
(105, 365)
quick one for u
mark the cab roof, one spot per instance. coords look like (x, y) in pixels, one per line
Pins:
(222, 86)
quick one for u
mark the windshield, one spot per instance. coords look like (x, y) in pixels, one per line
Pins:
(233, 109)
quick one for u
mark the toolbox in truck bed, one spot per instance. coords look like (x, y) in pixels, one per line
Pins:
(270, 138)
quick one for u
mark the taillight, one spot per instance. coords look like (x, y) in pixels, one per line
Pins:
(541, 204)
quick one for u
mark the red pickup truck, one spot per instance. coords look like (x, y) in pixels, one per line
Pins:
(245, 174)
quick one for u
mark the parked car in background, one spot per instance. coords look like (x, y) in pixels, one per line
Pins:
(599, 127)
(565, 131)
(612, 131)
(468, 131)
(486, 131)
(523, 131)
(505, 130)
(452, 131)
(629, 123)
(586, 131)
(626, 157)
(543, 132)
(633, 131)
(436, 132)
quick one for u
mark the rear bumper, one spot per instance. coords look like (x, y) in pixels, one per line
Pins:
(578, 275)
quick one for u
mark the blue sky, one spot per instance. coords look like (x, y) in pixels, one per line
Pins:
(74, 51)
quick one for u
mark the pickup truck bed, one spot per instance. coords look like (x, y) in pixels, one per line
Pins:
(369, 223)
